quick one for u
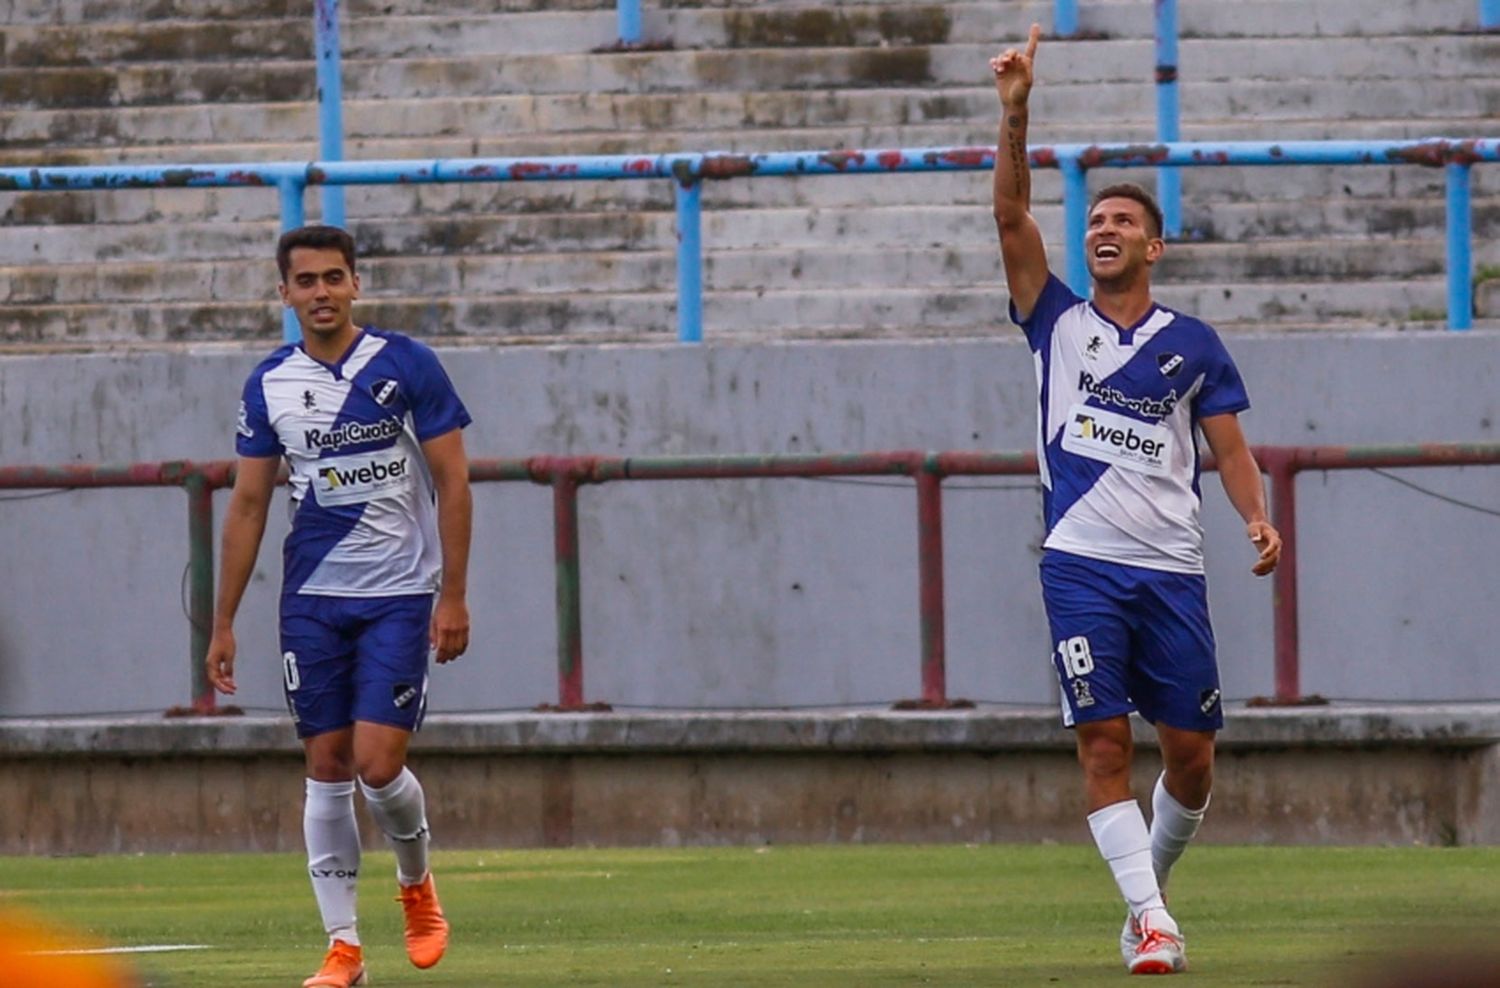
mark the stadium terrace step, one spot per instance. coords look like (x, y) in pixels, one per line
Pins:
(561, 115)
(645, 315)
(107, 11)
(151, 81)
(737, 70)
(1205, 190)
(901, 227)
(970, 134)
(710, 24)
(871, 269)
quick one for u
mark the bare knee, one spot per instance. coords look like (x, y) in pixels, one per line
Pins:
(1104, 755)
(1188, 760)
(330, 757)
(1105, 750)
(379, 771)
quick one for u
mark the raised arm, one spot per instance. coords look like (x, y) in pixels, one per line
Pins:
(1241, 478)
(1021, 246)
(450, 476)
(244, 525)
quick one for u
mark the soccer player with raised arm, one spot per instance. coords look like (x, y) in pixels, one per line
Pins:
(375, 571)
(1125, 385)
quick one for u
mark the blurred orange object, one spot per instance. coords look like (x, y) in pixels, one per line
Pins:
(33, 954)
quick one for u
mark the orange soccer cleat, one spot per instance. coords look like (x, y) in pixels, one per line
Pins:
(343, 967)
(426, 929)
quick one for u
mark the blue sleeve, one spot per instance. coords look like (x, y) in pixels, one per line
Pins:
(253, 434)
(435, 405)
(1223, 389)
(1055, 299)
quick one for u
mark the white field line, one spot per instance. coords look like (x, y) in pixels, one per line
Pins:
(160, 948)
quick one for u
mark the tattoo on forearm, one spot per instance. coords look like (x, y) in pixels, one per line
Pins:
(1018, 160)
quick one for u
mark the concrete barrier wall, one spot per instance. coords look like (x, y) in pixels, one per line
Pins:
(761, 593)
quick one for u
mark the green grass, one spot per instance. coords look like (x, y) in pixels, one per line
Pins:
(804, 916)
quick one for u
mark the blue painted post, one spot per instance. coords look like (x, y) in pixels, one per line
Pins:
(1075, 223)
(1460, 258)
(1065, 18)
(293, 215)
(1489, 15)
(1168, 129)
(330, 104)
(689, 259)
(628, 18)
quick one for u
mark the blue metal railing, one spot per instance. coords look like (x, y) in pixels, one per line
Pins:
(1168, 128)
(628, 21)
(330, 101)
(689, 171)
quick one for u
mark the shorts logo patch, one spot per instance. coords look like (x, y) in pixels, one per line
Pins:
(1082, 695)
(1208, 700)
(402, 695)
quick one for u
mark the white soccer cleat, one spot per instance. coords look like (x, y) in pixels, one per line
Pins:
(1159, 952)
(1130, 937)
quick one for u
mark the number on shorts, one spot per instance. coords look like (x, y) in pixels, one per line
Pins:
(1077, 660)
(289, 672)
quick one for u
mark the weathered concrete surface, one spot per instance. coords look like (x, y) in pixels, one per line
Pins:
(1346, 775)
(145, 81)
(763, 593)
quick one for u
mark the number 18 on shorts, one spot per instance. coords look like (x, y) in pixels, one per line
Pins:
(1127, 638)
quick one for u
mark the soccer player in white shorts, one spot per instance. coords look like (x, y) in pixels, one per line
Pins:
(1125, 385)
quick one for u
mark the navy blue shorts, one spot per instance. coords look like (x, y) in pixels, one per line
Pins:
(1127, 638)
(355, 658)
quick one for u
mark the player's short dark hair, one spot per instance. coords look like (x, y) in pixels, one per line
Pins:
(1129, 190)
(318, 238)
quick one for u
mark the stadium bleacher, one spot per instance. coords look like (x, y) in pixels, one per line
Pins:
(1266, 248)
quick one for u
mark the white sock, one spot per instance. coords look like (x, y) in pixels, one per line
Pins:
(1120, 832)
(1172, 827)
(400, 810)
(332, 837)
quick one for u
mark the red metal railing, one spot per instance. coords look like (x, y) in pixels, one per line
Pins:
(565, 474)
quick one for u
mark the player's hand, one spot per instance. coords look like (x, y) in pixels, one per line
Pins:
(1012, 68)
(219, 663)
(450, 629)
(1268, 541)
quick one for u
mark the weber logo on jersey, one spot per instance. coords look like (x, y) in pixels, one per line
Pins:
(357, 479)
(1115, 439)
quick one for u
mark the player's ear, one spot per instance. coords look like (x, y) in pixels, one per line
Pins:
(354, 280)
(281, 290)
(1155, 248)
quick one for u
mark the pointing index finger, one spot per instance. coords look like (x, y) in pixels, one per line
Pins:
(1032, 41)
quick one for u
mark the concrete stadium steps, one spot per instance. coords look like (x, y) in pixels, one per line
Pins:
(746, 269)
(738, 70)
(152, 81)
(584, 24)
(382, 35)
(1205, 190)
(645, 315)
(976, 133)
(104, 11)
(1080, 107)
(897, 227)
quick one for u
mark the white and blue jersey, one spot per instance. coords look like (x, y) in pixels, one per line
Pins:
(364, 521)
(1116, 434)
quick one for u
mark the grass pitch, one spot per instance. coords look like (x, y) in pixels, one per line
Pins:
(804, 916)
